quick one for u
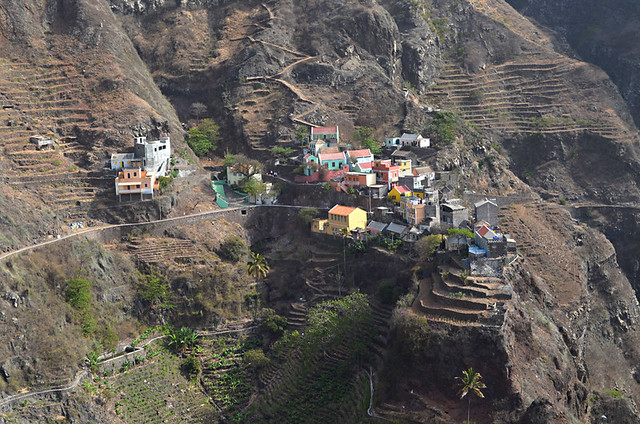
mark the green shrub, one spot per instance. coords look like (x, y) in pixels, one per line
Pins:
(164, 182)
(255, 359)
(307, 215)
(428, 245)
(445, 127)
(78, 293)
(388, 292)
(233, 249)
(273, 322)
(203, 138)
(191, 368)
(614, 393)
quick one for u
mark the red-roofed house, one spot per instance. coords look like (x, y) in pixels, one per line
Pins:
(398, 192)
(326, 133)
(360, 160)
(332, 161)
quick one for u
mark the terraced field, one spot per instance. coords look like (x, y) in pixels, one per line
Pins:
(307, 385)
(157, 392)
(527, 95)
(46, 100)
(450, 297)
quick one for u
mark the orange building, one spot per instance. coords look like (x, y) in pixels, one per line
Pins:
(136, 182)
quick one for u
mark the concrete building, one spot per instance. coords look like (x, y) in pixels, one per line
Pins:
(359, 179)
(136, 183)
(155, 154)
(487, 210)
(453, 214)
(413, 140)
(386, 173)
(42, 142)
(151, 156)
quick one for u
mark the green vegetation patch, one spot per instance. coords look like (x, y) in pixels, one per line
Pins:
(203, 138)
(157, 392)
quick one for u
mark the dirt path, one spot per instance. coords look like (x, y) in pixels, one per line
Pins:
(177, 220)
(79, 377)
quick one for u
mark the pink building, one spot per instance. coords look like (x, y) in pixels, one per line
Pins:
(386, 173)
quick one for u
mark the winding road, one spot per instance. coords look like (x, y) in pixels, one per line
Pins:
(202, 215)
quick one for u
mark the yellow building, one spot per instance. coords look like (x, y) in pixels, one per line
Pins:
(398, 192)
(405, 166)
(341, 217)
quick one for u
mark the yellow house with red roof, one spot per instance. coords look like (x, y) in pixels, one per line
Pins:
(341, 217)
(398, 192)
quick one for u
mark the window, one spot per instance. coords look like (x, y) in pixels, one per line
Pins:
(135, 174)
(128, 174)
(146, 185)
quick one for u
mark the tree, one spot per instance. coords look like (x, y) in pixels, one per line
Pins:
(252, 300)
(192, 368)
(198, 109)
(273, 322)
(470, 382)
(253, 187)
(445, 127)
(203, 138)
(257, 266)
(364, 136)
(281, 152)
(307, 215)
(78, 293)
(154, 289)
(428, 245)
(302, 132)
(255, 359)
(372, 145)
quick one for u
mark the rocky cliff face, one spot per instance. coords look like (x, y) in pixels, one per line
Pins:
(601, 33)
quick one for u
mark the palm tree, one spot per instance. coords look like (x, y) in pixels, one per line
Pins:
(470, 382)
(257, 266)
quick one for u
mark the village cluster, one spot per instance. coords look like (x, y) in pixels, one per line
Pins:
(419, 200)
(423, 200)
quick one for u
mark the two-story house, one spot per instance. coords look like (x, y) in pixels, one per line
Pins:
(386, 173)
(330, 135)
(135, 182)
(340, 218)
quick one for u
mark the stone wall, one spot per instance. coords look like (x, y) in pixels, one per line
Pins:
(111, 365)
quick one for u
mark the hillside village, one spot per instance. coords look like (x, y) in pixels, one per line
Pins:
(408, 201)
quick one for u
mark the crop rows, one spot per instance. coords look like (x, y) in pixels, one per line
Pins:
(157, 393)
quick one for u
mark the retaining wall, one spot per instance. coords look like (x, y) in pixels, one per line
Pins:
(114, 364)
